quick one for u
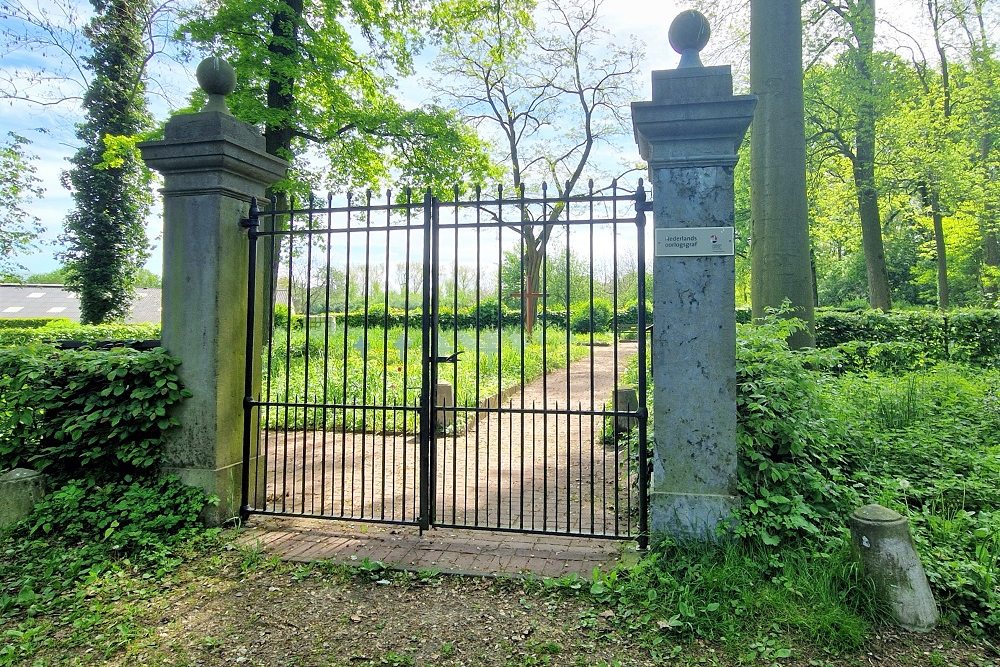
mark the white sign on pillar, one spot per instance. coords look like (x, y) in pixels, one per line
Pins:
(694, 242)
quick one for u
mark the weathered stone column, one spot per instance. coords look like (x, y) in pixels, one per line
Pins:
(689, 134)
(212, 164)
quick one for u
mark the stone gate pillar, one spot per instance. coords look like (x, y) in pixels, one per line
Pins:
(689, 134)
(212, 164)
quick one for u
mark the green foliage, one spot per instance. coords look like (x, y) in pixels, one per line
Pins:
(143, 277)
(320, 74)
(817, 438)
(927, 445)
(32, 322)
(105, 234)
(790, 465)
(974, 336)
(488, 315)
(131, 516)
(280, 320)
(54, 277)
(893, 357)
(734, 595)
(85, 547)
(963, 335)
(18, 187)
(86, 413)
(590, 316)
(389, 360)
(65, 330)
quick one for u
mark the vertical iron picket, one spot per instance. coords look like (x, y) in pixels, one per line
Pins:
(576, 459)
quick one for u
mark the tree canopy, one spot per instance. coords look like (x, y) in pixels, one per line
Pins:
(19, 186)
(319, 77)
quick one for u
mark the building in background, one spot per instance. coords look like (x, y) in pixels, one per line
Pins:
(20, 300)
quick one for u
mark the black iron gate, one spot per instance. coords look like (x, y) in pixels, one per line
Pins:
(476, 363)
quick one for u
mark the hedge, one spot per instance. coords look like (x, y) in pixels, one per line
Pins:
(963, 335)
(32, 322)
(971, 336)
(66, 330)
(488, 315)
(99, 414)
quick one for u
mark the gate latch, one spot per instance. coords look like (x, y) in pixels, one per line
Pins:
(450, 359)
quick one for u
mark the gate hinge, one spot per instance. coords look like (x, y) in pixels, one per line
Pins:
(641, 204)
(252, 221)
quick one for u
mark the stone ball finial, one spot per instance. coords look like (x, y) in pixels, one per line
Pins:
(689, 33)
(217, 78)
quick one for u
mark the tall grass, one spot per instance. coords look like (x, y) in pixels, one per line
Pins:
(382, 369)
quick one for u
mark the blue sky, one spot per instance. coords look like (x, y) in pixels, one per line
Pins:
(51, 128)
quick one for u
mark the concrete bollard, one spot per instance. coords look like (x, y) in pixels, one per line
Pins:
(626, 400)
(20, 490)
(882, 540)
(444, 397)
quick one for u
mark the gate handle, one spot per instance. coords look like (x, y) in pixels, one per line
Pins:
(450, 359)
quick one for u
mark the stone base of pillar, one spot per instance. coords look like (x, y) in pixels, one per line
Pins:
(691, 516)
(224, 484)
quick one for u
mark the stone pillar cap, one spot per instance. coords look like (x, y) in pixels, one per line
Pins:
(876, 514)
(689, 33)
(218, 79)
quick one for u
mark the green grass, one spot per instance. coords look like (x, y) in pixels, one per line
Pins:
(927, 444)
(736, 596)
(68, 597)
(383, 367)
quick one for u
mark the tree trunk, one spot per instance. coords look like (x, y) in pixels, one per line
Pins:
(780, 269)
(942, 259)
(530, 294)
(879, 295)
(278, 136)
(988, 225)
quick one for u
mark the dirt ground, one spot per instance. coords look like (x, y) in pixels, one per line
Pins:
(287, 615)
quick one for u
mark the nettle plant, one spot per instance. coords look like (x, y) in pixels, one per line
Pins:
(790, 465)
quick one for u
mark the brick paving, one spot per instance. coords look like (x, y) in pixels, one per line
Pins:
(452, 551)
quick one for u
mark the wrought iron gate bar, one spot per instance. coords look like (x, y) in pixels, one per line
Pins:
(482, 204)
(344, 428)
(457, 408)
(492, 224)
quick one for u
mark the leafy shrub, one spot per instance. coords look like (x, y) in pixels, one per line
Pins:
(281, 322)
(975, 336)
(88, 333)
(590, 317)
(131, 516)
(961, 555)
(628, 314)
(927, 445)
(32, 322)
(790, 464)
(969, 335)
(87, 544)
(893, 357)
(86, 413)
